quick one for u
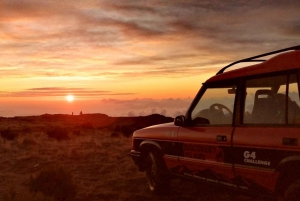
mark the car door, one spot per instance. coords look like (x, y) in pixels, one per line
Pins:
(267, 135)
(205, 143)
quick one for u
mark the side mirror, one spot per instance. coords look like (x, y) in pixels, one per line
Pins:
(180, 120)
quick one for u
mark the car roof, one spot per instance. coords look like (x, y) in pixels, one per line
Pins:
(284, 61)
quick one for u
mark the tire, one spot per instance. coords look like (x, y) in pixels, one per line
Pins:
(292, 192)
(157, 175)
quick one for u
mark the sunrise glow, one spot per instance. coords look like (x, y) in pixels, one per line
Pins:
(70, 98)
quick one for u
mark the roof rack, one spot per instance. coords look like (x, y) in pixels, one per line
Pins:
(254, 59)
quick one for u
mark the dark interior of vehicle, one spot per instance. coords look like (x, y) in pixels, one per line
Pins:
(217, 114)
(269, 108)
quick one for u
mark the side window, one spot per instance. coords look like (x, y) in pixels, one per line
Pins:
(293, 101)
(267, 101)
(216, 105)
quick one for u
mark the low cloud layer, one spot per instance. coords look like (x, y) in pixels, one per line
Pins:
(142, 107)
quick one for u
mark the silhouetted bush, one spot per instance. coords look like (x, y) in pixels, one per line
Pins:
(127, 130)
(115, 134)
(58, 133)
(54, 182)
(117, 128)
(9, 134)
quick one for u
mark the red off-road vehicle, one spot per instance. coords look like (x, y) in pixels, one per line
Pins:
(242, 131)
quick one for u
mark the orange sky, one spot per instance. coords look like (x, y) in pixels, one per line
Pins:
(128, 57)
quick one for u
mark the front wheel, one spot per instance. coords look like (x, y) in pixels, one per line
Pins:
(157, 176)
(292, 193)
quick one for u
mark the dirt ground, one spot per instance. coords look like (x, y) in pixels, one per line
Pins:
(101, 167)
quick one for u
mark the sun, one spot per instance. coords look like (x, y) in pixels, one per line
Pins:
(70, 98)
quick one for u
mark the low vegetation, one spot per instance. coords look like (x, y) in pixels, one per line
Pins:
(84, 164)
(8, 134)
(54, 181)
(58, 133)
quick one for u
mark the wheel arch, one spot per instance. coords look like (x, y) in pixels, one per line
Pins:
(289, 169)
(146, 147)
(149, 145)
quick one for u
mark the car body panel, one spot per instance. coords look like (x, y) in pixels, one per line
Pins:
(206, 154)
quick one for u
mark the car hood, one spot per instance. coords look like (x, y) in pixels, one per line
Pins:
(161, 131)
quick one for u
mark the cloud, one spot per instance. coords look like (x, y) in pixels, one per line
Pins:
(142, 107)
(61, 91)
(293, 28)
(66, 43)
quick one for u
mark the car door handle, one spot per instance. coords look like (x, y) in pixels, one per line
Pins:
(221, 138)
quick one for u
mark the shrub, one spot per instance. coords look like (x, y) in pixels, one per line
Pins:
(9, 134)
(58, 133)
(54, 182)
(117, 129)
(127, 130)
(115, 134)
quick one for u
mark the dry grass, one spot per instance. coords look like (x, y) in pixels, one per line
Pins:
(99, 164)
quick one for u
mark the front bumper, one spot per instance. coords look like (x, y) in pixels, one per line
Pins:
(137, 159)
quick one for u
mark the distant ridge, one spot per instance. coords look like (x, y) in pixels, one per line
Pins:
(93, 120)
